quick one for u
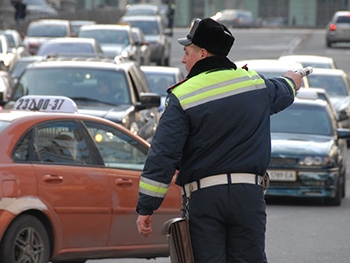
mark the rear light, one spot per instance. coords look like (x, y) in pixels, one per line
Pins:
(333, 27)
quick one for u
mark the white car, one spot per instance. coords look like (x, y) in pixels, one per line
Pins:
(336, 83)
(318, 93)
(311, 60)
(270, 68)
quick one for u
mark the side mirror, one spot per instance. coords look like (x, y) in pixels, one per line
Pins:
(342, 116)
(148, 100)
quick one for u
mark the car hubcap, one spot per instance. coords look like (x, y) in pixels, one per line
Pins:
(29, 247)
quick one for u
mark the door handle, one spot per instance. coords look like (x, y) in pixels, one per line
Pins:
(123, 182)
(49, 178)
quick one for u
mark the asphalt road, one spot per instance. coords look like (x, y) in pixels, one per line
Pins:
(302, 231)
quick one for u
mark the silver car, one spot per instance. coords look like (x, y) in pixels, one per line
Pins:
(338, 29)
(158, 37)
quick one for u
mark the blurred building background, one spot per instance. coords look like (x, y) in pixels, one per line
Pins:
(291, 13)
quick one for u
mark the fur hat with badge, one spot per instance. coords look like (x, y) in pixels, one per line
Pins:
(210, 35)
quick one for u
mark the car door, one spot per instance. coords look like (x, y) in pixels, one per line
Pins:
(124, 158)
(72, 184)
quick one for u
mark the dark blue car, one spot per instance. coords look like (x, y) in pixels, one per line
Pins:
(308, 157)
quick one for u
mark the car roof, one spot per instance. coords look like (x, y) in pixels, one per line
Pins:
(143, 5)
(310, 101)
(305, 58)
(342, 13)
(71, 40)
(160, 69)
(50, 21)
(105, 26)
(82, 22)
(141, 18)
(92, 62)
(269, 64)
(328, 72)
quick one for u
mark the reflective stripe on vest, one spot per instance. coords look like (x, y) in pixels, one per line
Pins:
(205, 87)
(153, 188)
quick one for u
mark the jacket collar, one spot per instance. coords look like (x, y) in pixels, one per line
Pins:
(211, 63)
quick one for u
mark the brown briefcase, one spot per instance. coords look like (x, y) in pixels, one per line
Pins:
(178, 234)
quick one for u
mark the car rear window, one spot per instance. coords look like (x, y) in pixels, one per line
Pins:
(65, 48)
(47, 31)
(343, 19)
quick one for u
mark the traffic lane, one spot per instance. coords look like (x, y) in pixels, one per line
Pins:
(272, 43)
(298, 230)
(307, 231)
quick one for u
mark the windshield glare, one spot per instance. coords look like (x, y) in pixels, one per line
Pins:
(302, 120)
(76, 83)
(334, 85)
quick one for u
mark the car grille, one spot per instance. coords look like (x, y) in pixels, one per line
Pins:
(283, 161)
(289, 184)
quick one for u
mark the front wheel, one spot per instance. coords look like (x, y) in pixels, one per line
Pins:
(25, 241)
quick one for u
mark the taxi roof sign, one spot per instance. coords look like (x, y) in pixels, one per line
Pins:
(46, 103)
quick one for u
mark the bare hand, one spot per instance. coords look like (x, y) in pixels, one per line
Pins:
(296, 77)
(144, 224)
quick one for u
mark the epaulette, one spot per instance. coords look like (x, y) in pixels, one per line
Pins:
(175, 85)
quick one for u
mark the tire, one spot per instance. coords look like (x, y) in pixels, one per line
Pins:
(328, 43)
(25, 241)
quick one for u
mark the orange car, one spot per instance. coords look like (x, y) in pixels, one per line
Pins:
(69, 186)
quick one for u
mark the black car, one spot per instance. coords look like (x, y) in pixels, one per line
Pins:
(127, 99)
(308, 155)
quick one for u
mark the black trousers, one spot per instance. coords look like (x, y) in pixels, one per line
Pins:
(228, 224)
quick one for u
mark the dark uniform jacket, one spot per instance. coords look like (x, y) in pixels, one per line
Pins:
(216, 121)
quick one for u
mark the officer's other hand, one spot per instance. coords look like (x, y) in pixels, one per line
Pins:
(296, 77)
(144, 224)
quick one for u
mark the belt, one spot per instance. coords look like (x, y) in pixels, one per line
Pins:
(221, 179)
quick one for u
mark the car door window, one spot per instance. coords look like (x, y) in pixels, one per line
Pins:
(118, 150)
(61, 143)
(22, 149)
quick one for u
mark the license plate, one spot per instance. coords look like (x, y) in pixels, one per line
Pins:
(289, 176)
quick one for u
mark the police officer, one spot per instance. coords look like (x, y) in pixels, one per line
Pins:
(215, 131)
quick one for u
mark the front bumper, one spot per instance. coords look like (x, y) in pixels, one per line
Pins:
(308, 184)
